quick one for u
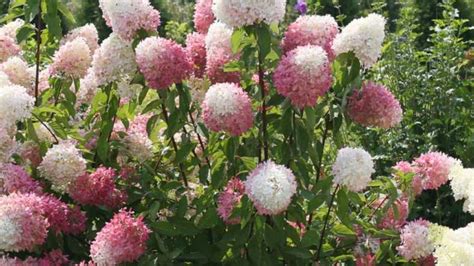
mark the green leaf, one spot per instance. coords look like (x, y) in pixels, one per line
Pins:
(236, 39)
(264, 41)
(31, 8)
(25, 32)
(209, 219)
(342, 230)
(299, 253)
(69, 17)
(342, 210)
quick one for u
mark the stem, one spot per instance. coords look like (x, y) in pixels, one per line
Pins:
(378, 207)
(38, 53)
(264, 109)
(320, 166)
(201, 142)
(175, 146)
(318, 254)
(47, 128)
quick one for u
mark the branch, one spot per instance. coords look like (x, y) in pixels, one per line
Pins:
(318, 254)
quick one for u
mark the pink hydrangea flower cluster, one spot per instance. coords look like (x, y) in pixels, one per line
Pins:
(8, 48)
(55, 257)
(196, 49)
(304, 75)
(122, 239)
(163, 62)
(14, 179)
(314, 30)
(270, 187)
(433, 169)
(88, 32)
(219, 53)
(390, 220)
(61, 217)
(227, 107)
(375, 106)
(229, 199)
(98, 189)
(30, 153)
(415, 242)
(72, 59)
(127, 17)
(203, 15)
(23, 225)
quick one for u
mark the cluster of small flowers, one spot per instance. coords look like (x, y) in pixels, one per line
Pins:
(55, 257)
(137, 142)
(237, 13)
(62, 165)
(14, 179)
(98, 189)
(270, 187)
(227, 107)
(203, 16)
(19, 73)
(219, 53)
(88, 32)
(304, 75)
(453, 247)
(15, 105)
(22, 222)
(113, 60)
(311, 30)
(122, 239)
(88, 88)
(127, 17)
(432, 170)
(163, 62)
(8, 45)
(72, 59)
(364, 37)
(462, 185)
(196, 49)
(8, 145)
(353, 168)
(229, 199)
(415, 241)
(374, 105)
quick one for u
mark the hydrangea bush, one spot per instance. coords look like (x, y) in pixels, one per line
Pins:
(231, 149)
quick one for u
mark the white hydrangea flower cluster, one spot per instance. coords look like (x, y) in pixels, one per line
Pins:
(453, 247)
(4, 80)
(139, 146)
(10, 29)
(62, 164)
(462, 184)
(222, 100)
(270, 187)
(364, 37)
(113, 60)
(19, 72)
(218, 37)
(88, 88)
(15, 105)
(353, 168)
(237, 13)
(311, 59)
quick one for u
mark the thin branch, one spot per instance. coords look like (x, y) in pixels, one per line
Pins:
(38, 53)
(47, 128)
(261, 82)
(201, 142)
(321, 239)
(173, 141)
